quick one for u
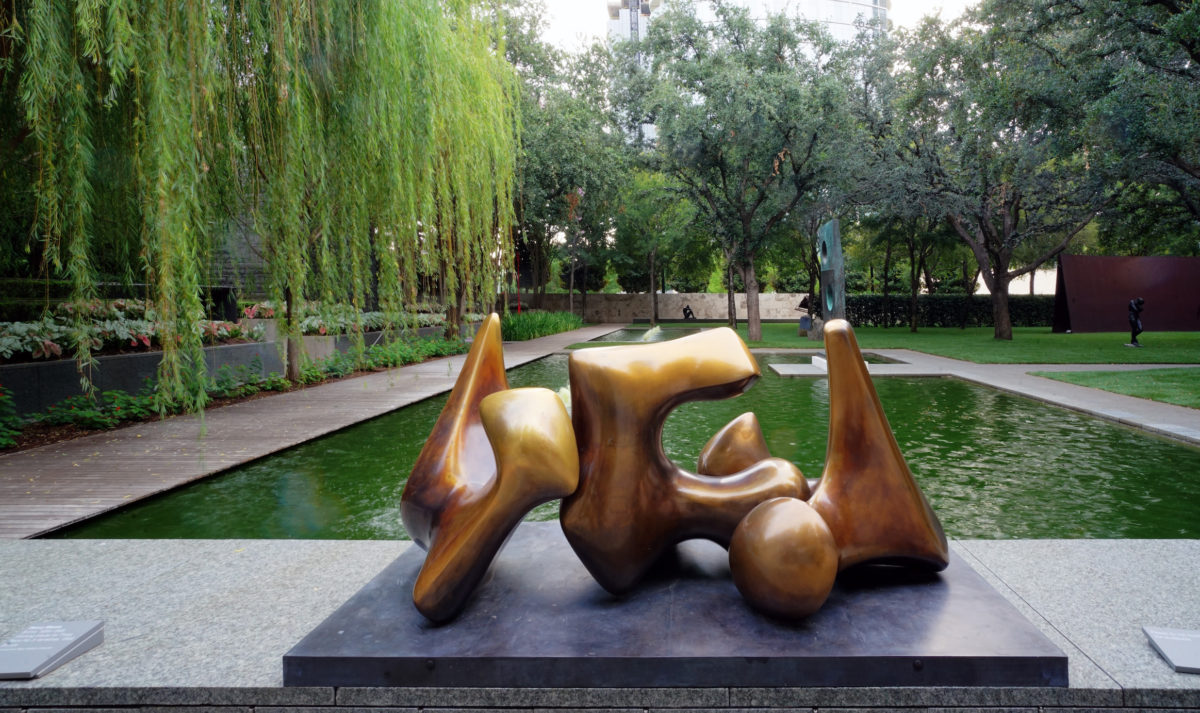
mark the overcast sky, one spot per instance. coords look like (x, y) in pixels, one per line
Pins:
(574, 23)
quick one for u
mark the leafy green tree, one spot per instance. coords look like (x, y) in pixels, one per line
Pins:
(995, 143)
(370, 146)
(750, 120)
(569, 145)
(656, 235)
(1148, 219)
(1139, 62)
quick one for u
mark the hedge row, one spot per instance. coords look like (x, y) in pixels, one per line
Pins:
(947, 310)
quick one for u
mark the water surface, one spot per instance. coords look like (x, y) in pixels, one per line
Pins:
(993, 465)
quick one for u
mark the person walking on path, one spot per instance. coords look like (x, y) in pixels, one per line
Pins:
(1135, 320)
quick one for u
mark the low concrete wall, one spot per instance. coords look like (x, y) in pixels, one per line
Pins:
(38, 385)
(603, 308)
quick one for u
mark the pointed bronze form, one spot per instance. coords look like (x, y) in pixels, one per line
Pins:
(633, 503)
(737, 446)
(537, 461)
(457, 459)
(867, 495)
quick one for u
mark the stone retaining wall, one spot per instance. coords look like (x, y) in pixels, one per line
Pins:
(608, 308)
(36, 386)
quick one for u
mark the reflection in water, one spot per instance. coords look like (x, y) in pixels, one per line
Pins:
(991, 464)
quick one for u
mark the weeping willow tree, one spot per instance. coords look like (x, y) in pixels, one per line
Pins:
(368, 145)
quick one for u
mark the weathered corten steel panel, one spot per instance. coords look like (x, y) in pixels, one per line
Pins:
(1093, 293)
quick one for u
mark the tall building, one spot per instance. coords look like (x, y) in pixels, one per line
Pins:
(621, 25)
(838, 16)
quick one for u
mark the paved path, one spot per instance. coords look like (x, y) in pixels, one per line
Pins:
(42, 489)
(1177, 422)
(207, 622)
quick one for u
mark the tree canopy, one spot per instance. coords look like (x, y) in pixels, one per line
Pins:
(751, 120)
(367, 147)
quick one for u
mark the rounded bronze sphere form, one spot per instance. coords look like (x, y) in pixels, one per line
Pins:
(783, 558)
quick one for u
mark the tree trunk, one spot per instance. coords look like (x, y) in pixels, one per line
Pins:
(1000, 313)
(1032, 274)
(295, 348)
(452, 329)
(653, 293)
(571, 283)
(753, 321)
(914, 284)
(887, 271)
(730, 294)
(583, 293)
(969, 277)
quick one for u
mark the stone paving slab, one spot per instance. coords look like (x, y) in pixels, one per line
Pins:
(46, 488)
(1099, 594)
(206, 622)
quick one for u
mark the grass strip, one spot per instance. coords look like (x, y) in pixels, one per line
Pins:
(1030, 345)
(1173, 386)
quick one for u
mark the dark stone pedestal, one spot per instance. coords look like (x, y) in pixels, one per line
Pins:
(540, 620)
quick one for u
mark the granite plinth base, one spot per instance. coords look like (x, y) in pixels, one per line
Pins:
(540, 620)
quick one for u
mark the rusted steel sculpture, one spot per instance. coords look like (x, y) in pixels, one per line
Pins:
(495, 453)
(633, 503)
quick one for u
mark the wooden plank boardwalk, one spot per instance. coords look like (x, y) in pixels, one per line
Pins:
(43, 489)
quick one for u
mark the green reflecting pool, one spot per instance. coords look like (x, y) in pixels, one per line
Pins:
(992, 465)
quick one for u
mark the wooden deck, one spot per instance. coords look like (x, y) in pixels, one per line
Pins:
(43, 489)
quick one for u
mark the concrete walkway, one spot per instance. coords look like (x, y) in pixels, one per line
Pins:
(43, 489)
(207, 622)
(1178, 422)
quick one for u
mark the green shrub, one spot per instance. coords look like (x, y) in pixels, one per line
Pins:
(947, 310)
(532, 324)
(10, 423)
(81, 411)
(112, 407)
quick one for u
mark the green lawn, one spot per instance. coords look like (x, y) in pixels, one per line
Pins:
(1030, 345)
(1173, 386)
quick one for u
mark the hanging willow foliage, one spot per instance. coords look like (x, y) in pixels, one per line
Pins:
(370, 145)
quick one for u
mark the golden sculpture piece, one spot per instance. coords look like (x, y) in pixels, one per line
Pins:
(495, 453)
(737, 446)
(867, 495)
(633, 503)
(520, 438)
(783, 558)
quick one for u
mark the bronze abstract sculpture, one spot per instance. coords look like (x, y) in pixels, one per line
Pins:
(496, 452)
(867, 495)
(521, 439)
(738, 445)
(633, 503)
(783, 558)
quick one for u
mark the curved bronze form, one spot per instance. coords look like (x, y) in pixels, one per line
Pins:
(530, 434)
(632, 502)
(456, 457)
(783, 558)
(737, 446)
(495, 454)
(867, 495)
